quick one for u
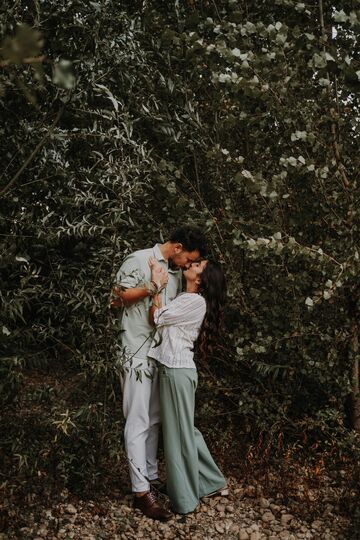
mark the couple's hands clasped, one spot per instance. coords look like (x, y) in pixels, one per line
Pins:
(158, 274)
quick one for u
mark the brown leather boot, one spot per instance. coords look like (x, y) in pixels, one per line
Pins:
(150, 507)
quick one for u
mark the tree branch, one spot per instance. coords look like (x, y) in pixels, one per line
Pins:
(334, 131)
(32, 60)
(33, 154)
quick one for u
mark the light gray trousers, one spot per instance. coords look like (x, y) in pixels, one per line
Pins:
(141, 410)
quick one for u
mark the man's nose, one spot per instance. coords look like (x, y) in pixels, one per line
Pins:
(187, 265)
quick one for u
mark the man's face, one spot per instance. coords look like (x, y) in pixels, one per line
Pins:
(182, 258)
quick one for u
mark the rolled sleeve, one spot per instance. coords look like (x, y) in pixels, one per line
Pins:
(130, 274)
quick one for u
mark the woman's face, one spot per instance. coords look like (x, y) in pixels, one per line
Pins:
(194, 271)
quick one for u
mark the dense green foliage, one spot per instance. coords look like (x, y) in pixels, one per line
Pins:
(235, 116)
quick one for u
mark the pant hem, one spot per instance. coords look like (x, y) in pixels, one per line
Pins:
(208, 491)
(185, 511)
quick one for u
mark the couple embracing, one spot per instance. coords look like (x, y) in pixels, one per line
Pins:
(160, 326)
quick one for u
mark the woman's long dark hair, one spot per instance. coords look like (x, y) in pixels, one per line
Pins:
(213, 289)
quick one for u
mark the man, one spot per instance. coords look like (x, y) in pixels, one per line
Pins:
(136, 285)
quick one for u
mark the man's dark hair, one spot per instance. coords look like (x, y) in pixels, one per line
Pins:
(191, 238)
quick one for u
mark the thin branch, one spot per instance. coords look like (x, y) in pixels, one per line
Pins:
(31, 60)
(335, 145)
(33, 154)
(196, 172)
(217, 11)
(334, 130)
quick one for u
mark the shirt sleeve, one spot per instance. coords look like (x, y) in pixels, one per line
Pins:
(185, 309)
(130, 274)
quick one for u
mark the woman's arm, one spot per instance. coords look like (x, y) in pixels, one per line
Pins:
(159, 277)
(187, 309)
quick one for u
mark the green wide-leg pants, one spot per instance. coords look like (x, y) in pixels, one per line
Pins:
(190, 470)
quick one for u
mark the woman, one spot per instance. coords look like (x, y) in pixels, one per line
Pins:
(194, 315)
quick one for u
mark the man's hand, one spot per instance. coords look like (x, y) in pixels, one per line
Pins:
(118, 301)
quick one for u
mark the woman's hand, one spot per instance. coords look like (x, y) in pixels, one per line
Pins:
(158, 274)
(160, 277)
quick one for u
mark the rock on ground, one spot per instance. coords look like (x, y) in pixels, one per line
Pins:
(244, 515)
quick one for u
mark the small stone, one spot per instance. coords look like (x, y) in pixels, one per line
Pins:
(229, 508)
(70, 509)
(250, 491)
(329, 508)
(219, 528)
(284, 535)
(255, 535)
(272, 537)
(264, 503)
(267, 517)
(243, 535)
(317, 524)
(286, 519)
(311, 495)
(220, 507)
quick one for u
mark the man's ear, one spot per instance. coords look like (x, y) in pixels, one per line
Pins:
(178, 247)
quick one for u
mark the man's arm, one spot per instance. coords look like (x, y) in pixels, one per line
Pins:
(130, 283)
(127, 297)
(130, 290)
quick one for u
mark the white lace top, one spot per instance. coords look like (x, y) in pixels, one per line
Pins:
(178, 325)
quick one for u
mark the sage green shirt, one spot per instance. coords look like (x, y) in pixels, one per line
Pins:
(136, 332)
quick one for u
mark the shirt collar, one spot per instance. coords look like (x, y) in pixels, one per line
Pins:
(157, 253)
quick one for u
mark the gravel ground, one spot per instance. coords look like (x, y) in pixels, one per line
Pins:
(244, 515)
